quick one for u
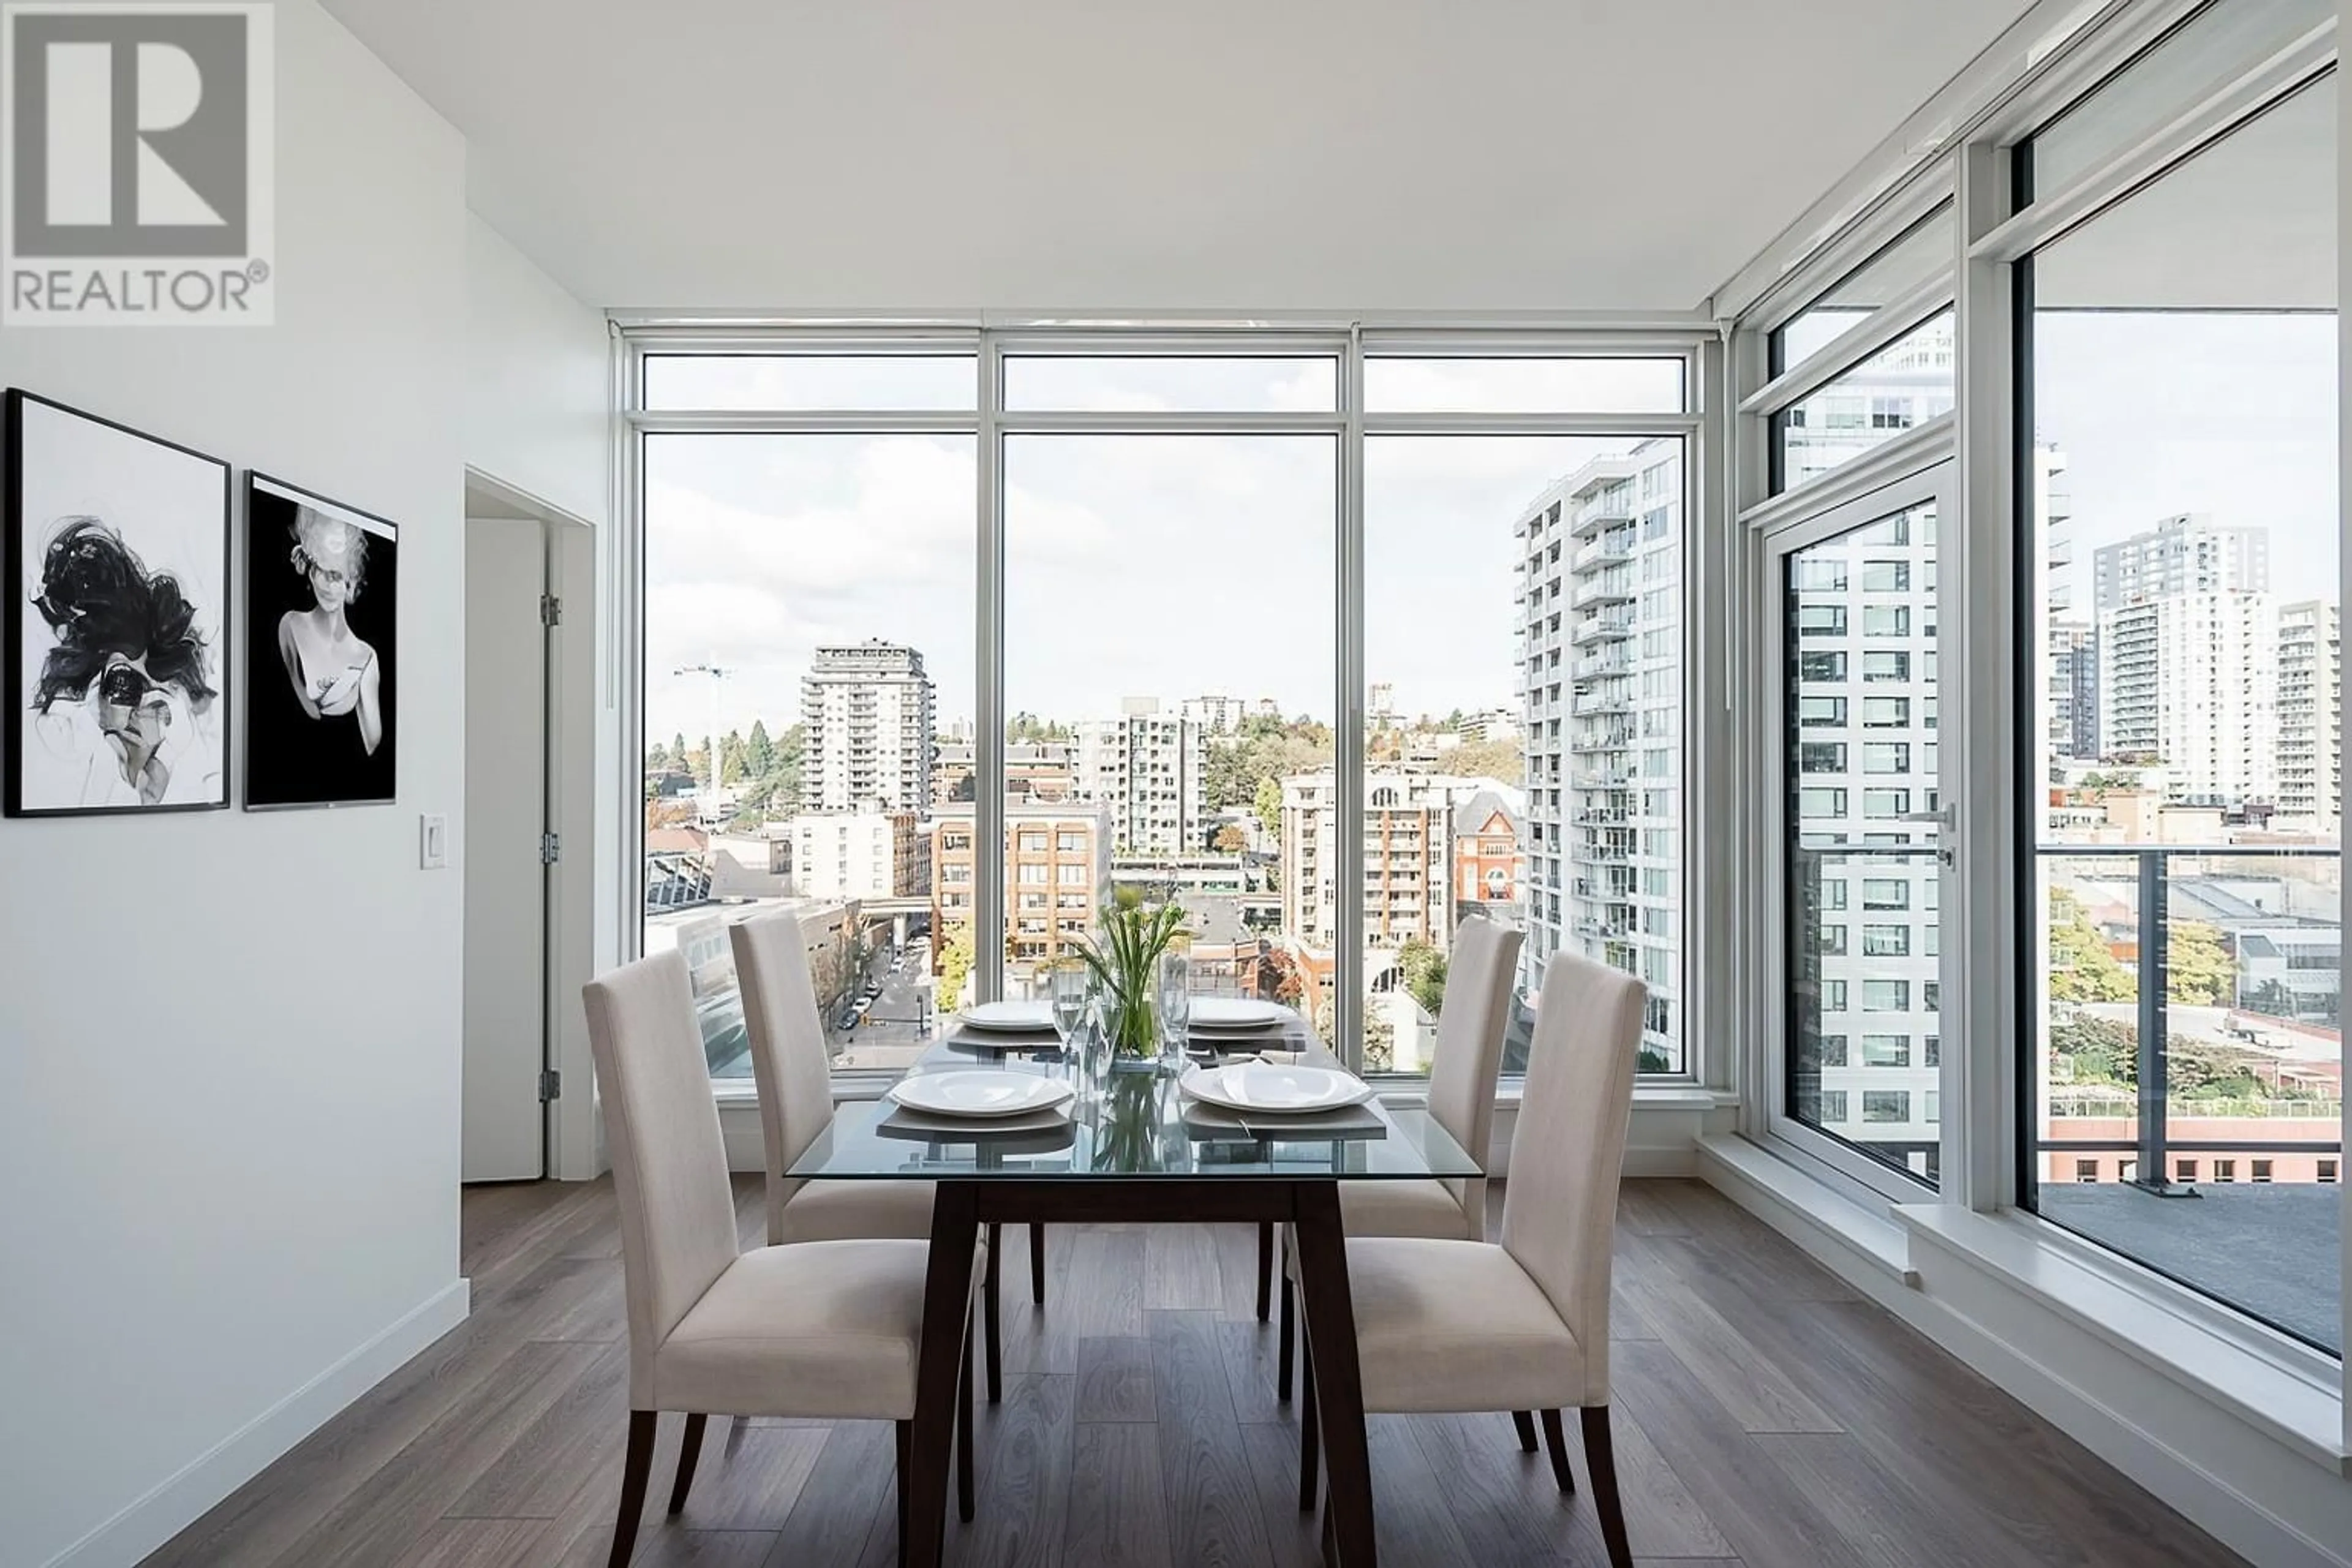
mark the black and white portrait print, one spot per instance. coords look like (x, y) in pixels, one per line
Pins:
(323, 581)
(117, 617)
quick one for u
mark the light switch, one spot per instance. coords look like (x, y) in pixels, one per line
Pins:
(432, 843)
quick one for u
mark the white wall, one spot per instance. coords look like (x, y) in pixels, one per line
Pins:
(229, 1044)
(539, 397)
(539, 421)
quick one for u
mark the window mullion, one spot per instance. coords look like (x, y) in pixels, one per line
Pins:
(1348, 738)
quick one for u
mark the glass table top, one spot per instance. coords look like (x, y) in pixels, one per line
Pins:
(1134, 1123)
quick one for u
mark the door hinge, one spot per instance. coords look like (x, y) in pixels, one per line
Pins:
(550, 848)
(551, 1085)
(551, 610)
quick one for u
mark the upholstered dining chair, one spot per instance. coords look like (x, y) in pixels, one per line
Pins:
(1462, 1069)
(826, 1329)
(1459, 1326)
(793, 1072)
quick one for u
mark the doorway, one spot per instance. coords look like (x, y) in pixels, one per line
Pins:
(529, 714)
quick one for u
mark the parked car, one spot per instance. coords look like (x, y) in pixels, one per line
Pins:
(848, 1019)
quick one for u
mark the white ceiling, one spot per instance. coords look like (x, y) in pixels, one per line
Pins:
(1187, 154)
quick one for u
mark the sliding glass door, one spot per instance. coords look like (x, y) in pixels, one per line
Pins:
(1863, 854)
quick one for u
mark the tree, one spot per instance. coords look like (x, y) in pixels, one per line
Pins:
(1422, 970)
(2081, 967)
(730, 759)
(790, 753)
(956, 960)
(1269, 807)
(698, 763)
(759, 752)
(2199, 971)
(677, 747)
(658, 759)
(1230, 840)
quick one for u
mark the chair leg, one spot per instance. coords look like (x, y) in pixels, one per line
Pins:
(1310, 1434)
(1285, 1340)
(689, 1448)
(1602, 1461)
(906, 1459)
(963, 1429)
(636, 1469)
(992, 1304)
(1525, 1422)
(1558, 1443)
(1264, 1269)
(1038, 1264)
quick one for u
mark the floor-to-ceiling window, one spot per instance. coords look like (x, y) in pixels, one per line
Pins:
(1524, 635)
(1170, 615)
(2178, 457)
(807, 672)
(1854, 501)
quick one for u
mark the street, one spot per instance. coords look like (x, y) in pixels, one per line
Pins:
(895, 1030)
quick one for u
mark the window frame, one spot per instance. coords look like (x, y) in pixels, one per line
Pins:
(1695, 347)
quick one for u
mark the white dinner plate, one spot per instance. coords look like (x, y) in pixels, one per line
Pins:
(1235, 1013)
(1261, 1086)
(1024, 1018)
(980, 1093)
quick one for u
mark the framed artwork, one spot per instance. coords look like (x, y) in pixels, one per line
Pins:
(323, 581)
(117, 619)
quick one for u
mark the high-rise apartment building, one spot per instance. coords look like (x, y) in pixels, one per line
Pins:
(1215, 713)
(1407, 864)
(1599, 591)
(1150, 769)
(1056, 875)
(2190, 679)
(2310, 718)
(2073, 702)
(1863, 845)
(860, 855)
(2184, 554)
(1904, 385)
(868, 707)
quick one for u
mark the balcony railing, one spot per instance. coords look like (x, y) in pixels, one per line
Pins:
(2268, 996)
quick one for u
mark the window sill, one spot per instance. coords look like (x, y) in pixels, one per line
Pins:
(2288, 1392)
(2282, 1390)
(1797, 1203)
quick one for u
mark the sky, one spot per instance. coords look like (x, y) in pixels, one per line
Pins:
(1165, 566)
(1169, 566)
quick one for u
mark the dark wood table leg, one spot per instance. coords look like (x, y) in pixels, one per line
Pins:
(947, 1297)
(1329, 1312)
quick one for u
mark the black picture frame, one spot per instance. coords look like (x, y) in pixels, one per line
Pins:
(34, 514)
(294, 758)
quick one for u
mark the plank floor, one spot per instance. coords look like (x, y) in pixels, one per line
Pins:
(1765, 1416)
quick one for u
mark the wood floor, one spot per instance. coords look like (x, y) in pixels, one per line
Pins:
(1765, 1416)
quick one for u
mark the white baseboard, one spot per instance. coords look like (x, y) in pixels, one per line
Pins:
(2269, 1503)
(183, 1498)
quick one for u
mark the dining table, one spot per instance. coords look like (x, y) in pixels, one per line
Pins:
(1131, 1146)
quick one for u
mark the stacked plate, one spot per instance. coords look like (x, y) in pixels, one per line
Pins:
(1009, 1017)
(1217, 1020)
(980, 1093)
(1262, 1087)
(1005, 1027)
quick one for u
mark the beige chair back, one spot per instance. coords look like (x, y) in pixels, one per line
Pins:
(1468, 1056)
(1567, 1153)
(790, 1064)
(669, 1164)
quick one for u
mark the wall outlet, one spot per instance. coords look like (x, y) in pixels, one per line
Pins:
(433, 842)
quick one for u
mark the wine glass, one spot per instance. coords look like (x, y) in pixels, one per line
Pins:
(1067, 989)
(1175, 1006)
